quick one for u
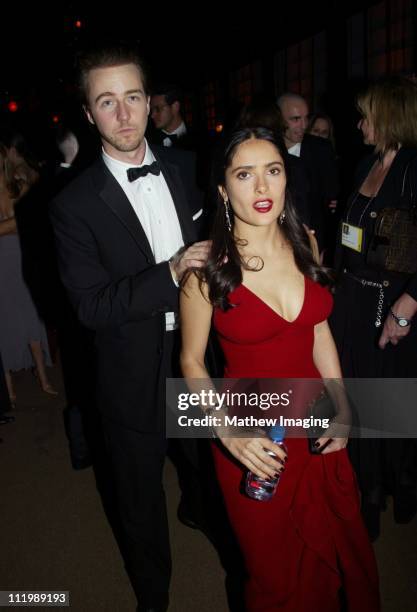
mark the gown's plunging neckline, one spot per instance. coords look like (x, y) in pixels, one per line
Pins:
(273, 309)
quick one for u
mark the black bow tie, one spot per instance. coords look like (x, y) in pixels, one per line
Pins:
(173, 137)
(135, 173)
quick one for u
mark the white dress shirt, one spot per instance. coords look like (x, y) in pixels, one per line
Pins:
(295, 150)
(153, 204)
(180, 131)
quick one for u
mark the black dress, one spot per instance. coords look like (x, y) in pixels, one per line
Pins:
(383, 466)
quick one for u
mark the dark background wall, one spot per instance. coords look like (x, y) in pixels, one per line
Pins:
(325, 50)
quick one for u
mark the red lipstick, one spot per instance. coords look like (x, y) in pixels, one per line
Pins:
(263, 206)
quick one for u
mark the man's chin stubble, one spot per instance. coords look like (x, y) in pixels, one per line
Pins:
(126, 147)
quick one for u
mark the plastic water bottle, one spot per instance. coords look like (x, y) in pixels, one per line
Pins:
(260, 488)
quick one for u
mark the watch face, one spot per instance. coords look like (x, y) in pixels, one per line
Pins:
(400, 320)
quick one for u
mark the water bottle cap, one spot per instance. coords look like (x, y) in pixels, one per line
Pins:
(277, 433)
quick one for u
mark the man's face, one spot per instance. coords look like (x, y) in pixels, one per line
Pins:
(163, 114)
(119, 108)
(295, 115)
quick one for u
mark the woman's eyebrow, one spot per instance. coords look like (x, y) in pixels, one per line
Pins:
(249, 166)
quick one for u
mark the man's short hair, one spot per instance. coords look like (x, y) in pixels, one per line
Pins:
(105, 56)
(173, 93)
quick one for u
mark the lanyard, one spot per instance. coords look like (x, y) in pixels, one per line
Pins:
(371, 199)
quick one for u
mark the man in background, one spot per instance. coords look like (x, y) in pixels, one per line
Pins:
(317, 158)
(166, 113)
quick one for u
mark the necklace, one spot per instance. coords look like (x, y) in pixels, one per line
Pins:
(371, 199)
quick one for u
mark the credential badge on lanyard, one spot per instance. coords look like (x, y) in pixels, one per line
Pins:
(352, 237)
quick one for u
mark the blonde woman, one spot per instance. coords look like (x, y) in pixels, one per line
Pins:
(373, 320)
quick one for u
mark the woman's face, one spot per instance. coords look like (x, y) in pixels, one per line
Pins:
(366, 126)
(321, 128)
(255, 183)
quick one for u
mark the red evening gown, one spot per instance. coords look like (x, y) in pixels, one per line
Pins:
(307, 543)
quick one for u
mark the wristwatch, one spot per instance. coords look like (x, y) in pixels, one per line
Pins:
(402, 321)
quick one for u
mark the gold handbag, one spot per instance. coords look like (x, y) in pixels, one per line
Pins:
(393, 246)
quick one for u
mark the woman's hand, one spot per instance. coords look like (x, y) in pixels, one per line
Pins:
(335, 439)
(252, 453)
(335, 444)
(405, 307)
(314, 245)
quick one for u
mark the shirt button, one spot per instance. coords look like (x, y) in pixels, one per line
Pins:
(372, 214)
(149, 189)
(385, 283)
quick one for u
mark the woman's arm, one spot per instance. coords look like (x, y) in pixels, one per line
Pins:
(327, 362)
(405, 307)
(325, 355)
(314, 245)
(8, 226)
(195, 314)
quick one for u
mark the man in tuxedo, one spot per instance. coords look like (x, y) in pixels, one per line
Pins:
(124, 229)
(171, 131)
(317, 160)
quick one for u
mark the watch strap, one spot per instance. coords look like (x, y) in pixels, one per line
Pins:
(399, 318)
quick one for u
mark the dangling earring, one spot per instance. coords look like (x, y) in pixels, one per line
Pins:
(227, 213)
(282, 217)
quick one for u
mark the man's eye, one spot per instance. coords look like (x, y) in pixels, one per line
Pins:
(275, 171)
(243, 175)
(134, 98)
(107, 103)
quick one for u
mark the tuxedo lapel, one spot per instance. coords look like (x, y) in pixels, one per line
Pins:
(115, 198)
(175, 186)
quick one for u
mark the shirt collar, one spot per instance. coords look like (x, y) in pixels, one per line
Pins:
(295, 149)
(119, 168)
(180, 131)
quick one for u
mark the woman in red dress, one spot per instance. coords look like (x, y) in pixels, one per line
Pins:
(306, 549)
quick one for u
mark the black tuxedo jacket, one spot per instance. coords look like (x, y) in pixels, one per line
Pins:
(117, 289)
(320, 166)
(186, 142)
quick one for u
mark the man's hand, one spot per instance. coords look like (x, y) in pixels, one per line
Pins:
(194, 256)
(405, 307)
